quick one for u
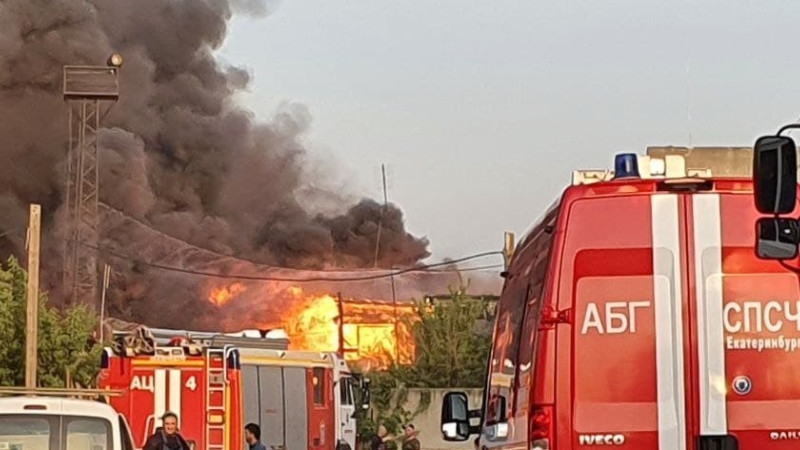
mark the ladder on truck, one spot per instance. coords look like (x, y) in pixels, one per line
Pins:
(216, 384)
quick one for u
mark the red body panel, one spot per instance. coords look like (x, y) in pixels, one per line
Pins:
(639, 317)
(152, 387)
(607, 277)
(761, 313)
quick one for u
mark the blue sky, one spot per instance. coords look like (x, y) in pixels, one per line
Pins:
(481, 110)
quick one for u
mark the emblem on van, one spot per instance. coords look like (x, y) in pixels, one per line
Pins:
(784, 435)
(742, 385)
(601, 439)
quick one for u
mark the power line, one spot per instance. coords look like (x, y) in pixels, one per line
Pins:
(467, 269)
(423, 268)
(219, 256)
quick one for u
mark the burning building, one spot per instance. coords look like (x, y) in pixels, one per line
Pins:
(371, 333)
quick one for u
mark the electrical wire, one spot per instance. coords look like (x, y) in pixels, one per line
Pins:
(422, 268)
(265, 267)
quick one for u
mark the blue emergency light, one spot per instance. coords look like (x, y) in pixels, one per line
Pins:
(626, 166)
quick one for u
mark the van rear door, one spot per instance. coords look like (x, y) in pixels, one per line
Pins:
(620, 270)
(682, 339)
(747, 329)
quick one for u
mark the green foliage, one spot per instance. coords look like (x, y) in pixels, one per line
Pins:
(65, 354)
(452, 349)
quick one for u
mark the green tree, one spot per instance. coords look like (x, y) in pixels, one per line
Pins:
(452, 344)
(453, 340)
(66, 351)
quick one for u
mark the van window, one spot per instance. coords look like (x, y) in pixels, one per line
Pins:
(505, 350)
(346, 386)
(25, 432)
(54, 432)
(88, 433)
(540, 250)
(319, 386)
(518, 314)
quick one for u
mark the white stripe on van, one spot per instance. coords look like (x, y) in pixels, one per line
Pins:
(175, 391)
(159, 395)
(669, 328)
(708, 281)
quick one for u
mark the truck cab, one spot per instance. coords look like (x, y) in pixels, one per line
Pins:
(33, 422)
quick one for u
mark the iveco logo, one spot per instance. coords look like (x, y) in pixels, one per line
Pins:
(742, 385)
(601, 439)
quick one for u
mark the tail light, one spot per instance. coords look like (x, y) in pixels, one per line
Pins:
(541, 428)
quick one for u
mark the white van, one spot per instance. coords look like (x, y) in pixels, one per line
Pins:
(48, 423)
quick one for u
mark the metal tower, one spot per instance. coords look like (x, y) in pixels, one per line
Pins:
(84, 88)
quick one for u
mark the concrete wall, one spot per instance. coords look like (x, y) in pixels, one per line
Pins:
(427, 422)
(723, 161)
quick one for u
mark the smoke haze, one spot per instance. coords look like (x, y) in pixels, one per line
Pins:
(179, 160)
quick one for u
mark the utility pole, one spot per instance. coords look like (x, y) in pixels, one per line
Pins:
(106, 277)
(32, 319)
(340, 305)
(391, 276)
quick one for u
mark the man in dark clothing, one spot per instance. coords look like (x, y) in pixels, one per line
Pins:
(411, 442)
(378, 441)
(167, 437)
(252, 434)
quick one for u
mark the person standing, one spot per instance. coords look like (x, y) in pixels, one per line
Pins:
(252, 434)
(378, 441)
(167, 437)
(411, 442)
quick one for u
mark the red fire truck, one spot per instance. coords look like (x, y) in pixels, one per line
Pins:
(640, 313)
(218, 383)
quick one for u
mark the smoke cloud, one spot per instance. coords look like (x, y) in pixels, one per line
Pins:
(181, 165)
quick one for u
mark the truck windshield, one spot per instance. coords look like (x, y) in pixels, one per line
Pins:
(53, 432)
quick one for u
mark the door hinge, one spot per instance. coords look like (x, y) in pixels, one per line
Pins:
(724, 442)
(552, 316)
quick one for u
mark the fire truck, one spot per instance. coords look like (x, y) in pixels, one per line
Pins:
(645, 310)
(218, 383)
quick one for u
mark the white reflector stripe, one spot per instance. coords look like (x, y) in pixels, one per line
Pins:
(160, 395)
(710, 339)
(175, 391)
(669, 327)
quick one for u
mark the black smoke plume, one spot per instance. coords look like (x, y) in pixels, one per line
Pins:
(177, 155)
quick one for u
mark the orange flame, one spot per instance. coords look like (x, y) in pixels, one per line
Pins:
(221, 296)
(374, 334)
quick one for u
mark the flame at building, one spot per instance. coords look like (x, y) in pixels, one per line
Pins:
(372, 333)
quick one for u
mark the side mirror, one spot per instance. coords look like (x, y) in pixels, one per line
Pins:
(775, 174)
(777, 238)
(455, 417)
